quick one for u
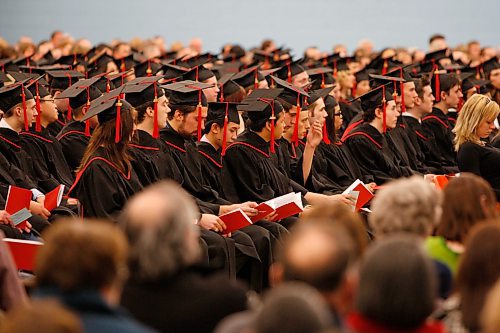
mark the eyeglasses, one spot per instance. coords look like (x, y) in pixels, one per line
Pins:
(337, 114)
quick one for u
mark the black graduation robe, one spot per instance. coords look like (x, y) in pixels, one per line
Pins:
(424, 144)
(51, 168)
(371, 151)
(438, 124)
(185, 155)
(102, 188)
(10, 146)
(73, 142)
(483, 161)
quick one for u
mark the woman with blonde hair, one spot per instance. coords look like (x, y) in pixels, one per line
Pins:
(476, 122)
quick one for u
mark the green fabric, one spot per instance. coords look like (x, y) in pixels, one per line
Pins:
(436, 248)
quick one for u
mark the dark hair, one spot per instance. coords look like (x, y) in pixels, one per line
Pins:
(420, 84)
(399, 292)
(478, 271)
(436, 36)
(183, 109)
(447, 85)
(10, 112)
(468, 199)
(104, 136)
(141, 111)
(256, 125)
(236, 97)
(369, 111)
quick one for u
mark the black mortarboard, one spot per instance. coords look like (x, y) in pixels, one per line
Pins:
(62, 79)
(4, 79)
(171, 71)
(198, 73)
(330, 60)
(110, 107)
(147, 68)
(321, 77)
(436, 55)
(490, 65)
(13, 95)
(8, 65)
(376, 97)
(71, 59)
(169, 55)
(466, 82)
(197, 60)
(442, 82)
(290, 69)
(343, 63)
(363, 75)
(19, 77)
(188, 93)
(248, 77)
(227, 87)
(226, 68)
(314, 95)
(24, 61)
(81, 93)
(260, 105)
(39, 91)
(125, 63)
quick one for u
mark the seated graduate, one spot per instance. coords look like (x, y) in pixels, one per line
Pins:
(60, 80)
(51, 168)
(74, 137)
(474, 124)
(252, 170)
(367, 142)
(186, 120)
(447, 95)
(152, 158)
(105, 178)
(333, 159)
(423, 139)
(16, 166)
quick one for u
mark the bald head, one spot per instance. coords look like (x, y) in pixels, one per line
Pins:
(317, 253)
(159, 224)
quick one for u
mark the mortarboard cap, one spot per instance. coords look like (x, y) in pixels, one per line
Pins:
(147, 68)
(13, 95)
(248, 77)
(62, 79)
(377, 97)
(222, 113)
(198, 73)
(81, 93)
(227, 87)
(290, 69)
(125, 63)
(489, 66)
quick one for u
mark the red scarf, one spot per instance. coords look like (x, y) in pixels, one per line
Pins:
(360, 324)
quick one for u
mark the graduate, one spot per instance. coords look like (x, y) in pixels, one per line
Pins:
(367, 142)
(60, 80)
(75, 135)
(447, 94)
(51, 169)
(107, 162)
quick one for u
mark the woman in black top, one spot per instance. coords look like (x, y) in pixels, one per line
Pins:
(475, 122)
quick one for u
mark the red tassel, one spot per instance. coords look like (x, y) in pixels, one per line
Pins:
(295, 136)
(118, 123)
(108, 87)
(38, 125)
(199, 121)
(224, 134)
(69, 114)
(149, 71)
(384, 68)
(403, 106)
(326, 138)
(384, 106)
(289, 73)
(87, 128)
(25, 112)
(256, 80)
(335, 68)
(353, 89)
(156, 130)
(322, 81)
(273, 118)
(438, 87)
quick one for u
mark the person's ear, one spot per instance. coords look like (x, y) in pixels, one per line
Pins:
(418, 101)
(18, 111)
(150, 112)
(379, 113)
(215, 128)
(444, 95)
(178, 116)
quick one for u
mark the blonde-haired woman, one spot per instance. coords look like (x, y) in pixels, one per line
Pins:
(475, 122)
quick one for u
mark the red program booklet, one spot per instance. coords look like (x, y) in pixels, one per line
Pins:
(235, 220)
(53, 198)
(365, 195)
(17, 199)
(284, 206)
(23, 252)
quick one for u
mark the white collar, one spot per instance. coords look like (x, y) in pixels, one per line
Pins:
(5, 124)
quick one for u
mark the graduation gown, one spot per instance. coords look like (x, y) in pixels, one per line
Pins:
(402, 147)
(424, 144)
(370, 149)
(51, 168)
(102, 188)
(349, 111)
(185, 155)
(73, 142)
(10, 147)
(154, 158)
(438, 124)
(483, 161)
